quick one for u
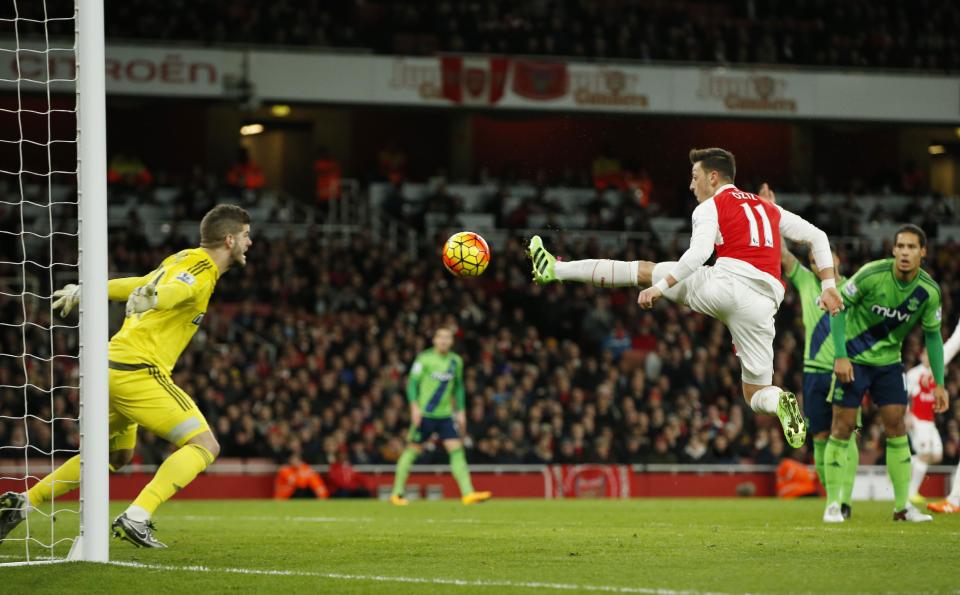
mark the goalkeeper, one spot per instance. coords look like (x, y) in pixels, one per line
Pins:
(436, 377)
(164, 310)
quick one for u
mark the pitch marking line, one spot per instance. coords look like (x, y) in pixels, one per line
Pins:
(269, 518)
(310, 519)
(453, 582)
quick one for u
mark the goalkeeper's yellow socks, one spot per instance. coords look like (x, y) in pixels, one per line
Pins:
(174, 474)
(458, 466)
(62, 480)
(898, 468)
(834, 467)
(404, 463)
(850, 471)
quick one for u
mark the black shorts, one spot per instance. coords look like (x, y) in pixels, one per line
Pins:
(444, 427)
(887, 386)
(817, 407)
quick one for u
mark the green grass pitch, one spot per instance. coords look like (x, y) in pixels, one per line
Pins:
(511, 546)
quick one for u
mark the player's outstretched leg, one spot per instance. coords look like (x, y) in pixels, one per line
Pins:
(176, 472)
(13, 509)
(597, 272)
(543, 262)
(14, 506)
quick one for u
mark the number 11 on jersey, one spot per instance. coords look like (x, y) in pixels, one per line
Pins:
(754, 229)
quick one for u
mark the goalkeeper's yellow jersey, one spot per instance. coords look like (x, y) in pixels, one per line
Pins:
(157, 336)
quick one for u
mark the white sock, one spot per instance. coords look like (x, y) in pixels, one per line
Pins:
(135, 513)
(602, 273)
(918, 472)
(954, 496)
(765, 400)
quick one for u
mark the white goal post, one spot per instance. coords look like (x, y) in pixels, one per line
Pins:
(93, 543)
(53, 230)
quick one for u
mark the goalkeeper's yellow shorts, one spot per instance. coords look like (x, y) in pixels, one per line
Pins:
(143, 395)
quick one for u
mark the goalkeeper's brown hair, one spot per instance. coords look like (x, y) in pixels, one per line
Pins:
(221, 221)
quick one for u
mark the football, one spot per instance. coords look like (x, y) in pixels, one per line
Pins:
(466, 254)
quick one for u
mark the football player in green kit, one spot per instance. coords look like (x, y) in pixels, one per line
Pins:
(817, 361)
(884, 300)
(437, 407)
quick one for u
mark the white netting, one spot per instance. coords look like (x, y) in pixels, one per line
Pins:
(39, 353)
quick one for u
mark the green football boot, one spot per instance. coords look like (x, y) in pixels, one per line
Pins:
(543, 261)
(794, 426)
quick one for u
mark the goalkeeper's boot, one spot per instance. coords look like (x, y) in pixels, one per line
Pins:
(943, 507)
(543, 261)
(398, 500)
(833, 514)
(13, 509)
(794, 426)
(138, 533)
(911, 515)
(846, 510)
(476, 497)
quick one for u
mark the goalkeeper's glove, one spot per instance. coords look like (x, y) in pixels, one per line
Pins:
(142, 298)
(67, 298)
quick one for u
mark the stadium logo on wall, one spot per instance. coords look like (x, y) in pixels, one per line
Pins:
(608, 87)
(591, 481)
(473, 80)
(746, 92)
(540, 81)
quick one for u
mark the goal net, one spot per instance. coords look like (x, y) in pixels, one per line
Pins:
(53, 232)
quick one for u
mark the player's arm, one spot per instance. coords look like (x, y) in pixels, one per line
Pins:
(788, 261)
(168, 289)
(705, 227)
(118, 290)
(796, 228)
(951, 346)
(842, 367)
(413, 390)
(933, 341)
(853, 292)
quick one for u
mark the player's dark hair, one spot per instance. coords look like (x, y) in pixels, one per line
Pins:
(221, 221)
(915, 230)
(715, 159)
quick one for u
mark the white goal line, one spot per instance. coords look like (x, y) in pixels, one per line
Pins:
(451, 582)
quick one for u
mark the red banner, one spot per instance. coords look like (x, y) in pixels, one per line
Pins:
(540, 81)
(474, 80)
(556, 481)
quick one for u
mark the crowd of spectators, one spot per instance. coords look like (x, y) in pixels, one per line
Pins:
(305, 352)
(921, 34)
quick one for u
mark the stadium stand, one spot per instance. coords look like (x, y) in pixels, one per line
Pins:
(859, 34)
(313, 340)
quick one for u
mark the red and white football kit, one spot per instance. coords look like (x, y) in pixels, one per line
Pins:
(924, 435)
(744, 288)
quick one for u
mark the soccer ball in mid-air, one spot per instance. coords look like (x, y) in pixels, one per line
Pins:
(466, 254)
